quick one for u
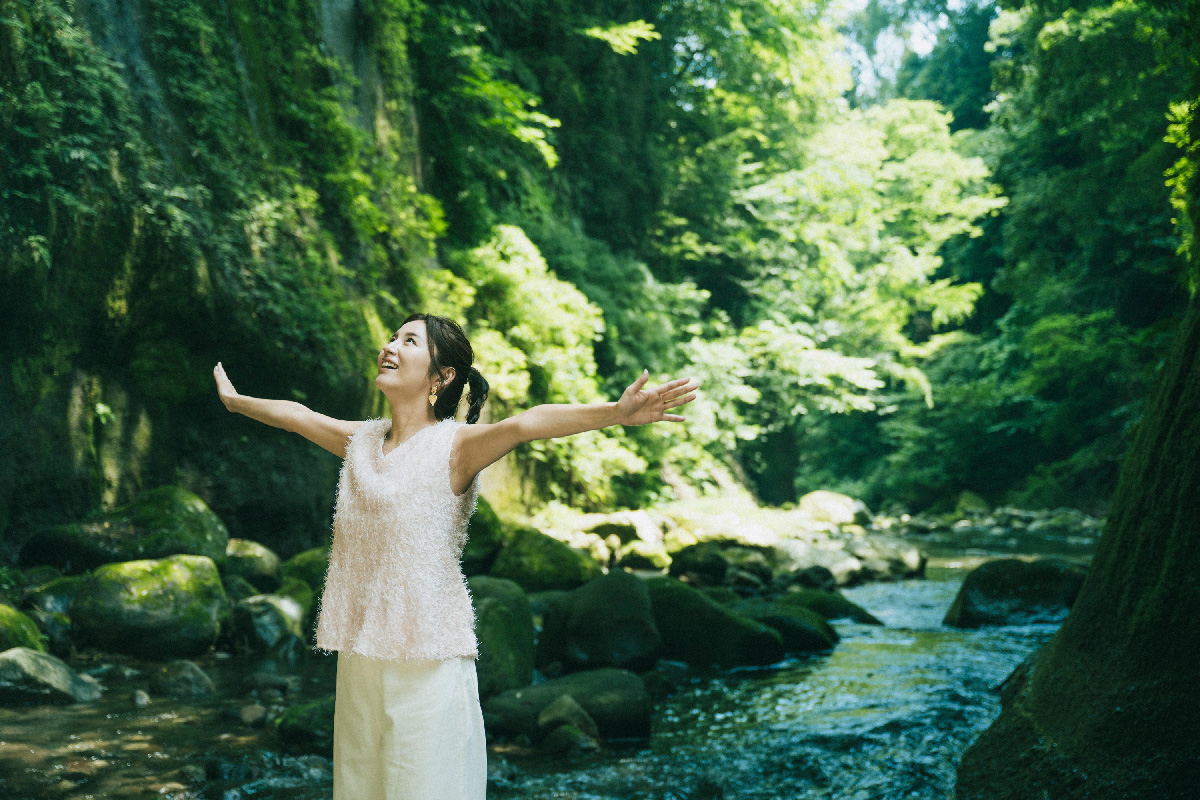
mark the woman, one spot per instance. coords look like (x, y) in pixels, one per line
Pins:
(407, 721)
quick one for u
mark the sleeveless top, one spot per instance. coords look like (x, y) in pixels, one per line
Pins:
(394, 588)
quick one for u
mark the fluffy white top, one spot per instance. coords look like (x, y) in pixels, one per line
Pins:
(395, 588)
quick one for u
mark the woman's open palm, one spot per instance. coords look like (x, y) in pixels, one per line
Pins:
(639, 405)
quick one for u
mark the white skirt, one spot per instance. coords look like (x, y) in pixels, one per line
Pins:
(408, 730)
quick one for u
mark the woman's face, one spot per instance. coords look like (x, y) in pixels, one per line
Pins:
(403, 362)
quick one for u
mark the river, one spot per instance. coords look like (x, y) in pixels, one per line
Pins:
(886, 715)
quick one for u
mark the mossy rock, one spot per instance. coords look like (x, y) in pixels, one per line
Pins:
(303, 594)
(263, 621)
(19, 630)
(161, 609)
(704, 563)
(802, 629)
(607, 622)
(308, 727)
(1009, 591)
(970, 504)
(615, 698)
(54, 596)
(699, 630)
(309, 566)
(538, 562)
(162, 522)
(255, 562)
(238, 588)
(830, 605)
(833, 508)
(485, 536)
(643, 555)
(504, 629)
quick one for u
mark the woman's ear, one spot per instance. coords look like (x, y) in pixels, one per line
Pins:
(447, 376)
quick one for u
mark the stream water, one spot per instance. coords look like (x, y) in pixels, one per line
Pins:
(886, 715)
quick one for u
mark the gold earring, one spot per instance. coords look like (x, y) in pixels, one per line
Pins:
(433, 396)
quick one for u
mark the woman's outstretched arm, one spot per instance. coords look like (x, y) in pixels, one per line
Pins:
(477, 446)
(327, 432)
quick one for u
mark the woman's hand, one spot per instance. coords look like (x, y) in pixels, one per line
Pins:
(639, 406)
(225, 388)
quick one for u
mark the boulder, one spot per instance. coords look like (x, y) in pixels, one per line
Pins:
(54, 596)
(256, 563)
(504, 629)
(628, 526)
(159, 523)
(615, 698)
(704, 564)
(887, 558)
(19, 630)
(182, 680)
(830, 605)
(165, 608)
(238, 588)
(698, 630)
(566, 711)
(28, 676)
(797, 558)
(536, 562)
(568, 739)
(643, 555)
(1009, 591)
(302, 593)
(261, 622)
(307, 728)
(607, 622)
(485, 537)
(802, 630)
(833, 508)
(57, 629)
(309, 566)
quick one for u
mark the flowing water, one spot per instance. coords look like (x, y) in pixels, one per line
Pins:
(886, 715)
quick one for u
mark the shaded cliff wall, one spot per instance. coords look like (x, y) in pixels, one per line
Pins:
(1110, 707)
(186, 182)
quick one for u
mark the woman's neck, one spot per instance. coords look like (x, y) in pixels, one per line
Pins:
(408, 419)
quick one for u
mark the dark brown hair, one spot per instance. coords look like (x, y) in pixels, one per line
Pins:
(448, 347)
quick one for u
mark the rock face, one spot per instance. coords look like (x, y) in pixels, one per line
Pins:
(1109, 709)
(615, 698)
(537, 562)
(607, 622)
(166, 608)
(504, 629)
(1009, 591)
(698, 630)
(158, 523)
(29, 676)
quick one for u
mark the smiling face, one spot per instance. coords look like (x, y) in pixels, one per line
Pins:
(403, 363)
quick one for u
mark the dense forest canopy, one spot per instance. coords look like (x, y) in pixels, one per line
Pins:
(963, 277)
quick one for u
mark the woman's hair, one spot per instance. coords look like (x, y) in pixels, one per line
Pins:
(448, 347)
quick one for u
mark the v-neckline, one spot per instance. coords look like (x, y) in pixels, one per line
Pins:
(385, 453)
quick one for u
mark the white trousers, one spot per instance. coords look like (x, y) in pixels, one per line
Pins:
(408, 730)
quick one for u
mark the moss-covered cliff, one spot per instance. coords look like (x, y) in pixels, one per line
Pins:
(185, 182)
